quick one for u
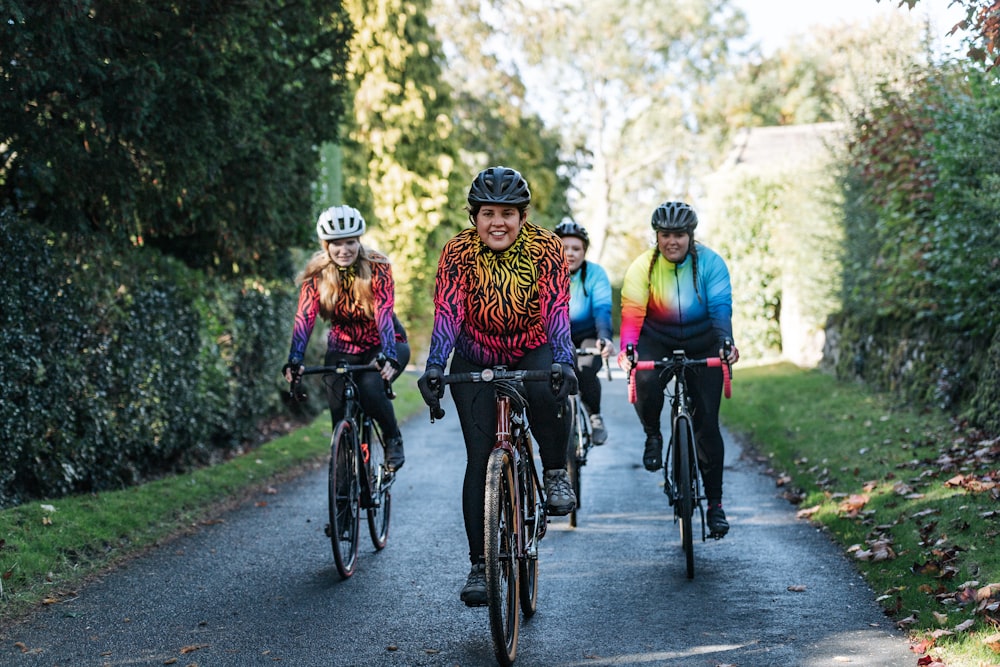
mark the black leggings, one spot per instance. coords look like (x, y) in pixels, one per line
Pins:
(705, 390)
(476, 407)
(371, 389)
(587, 368)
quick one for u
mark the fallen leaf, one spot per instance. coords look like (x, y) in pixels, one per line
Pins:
(854, 503)
(22, 646)
(929, 661)
(797, 588)
(193, 647)
(965, 625)
(807, 512)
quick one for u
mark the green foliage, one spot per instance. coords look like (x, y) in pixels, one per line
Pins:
(413, 144)
(119, 366)
(921, 266)
(190, 128)
(752, 250)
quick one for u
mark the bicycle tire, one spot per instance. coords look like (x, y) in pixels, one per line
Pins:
(573, 455)
(684, 508)
(527, 564)
(502, 581)
(380, 494)
(344, 495)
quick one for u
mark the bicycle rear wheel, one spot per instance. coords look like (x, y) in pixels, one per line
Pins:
(684, 508)
(344, 498)
(501, 556)
(379, 490)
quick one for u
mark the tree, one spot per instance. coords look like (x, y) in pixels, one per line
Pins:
(399, 150)
(192, 128)
(624, 80)
(982, 19)
(492, 115)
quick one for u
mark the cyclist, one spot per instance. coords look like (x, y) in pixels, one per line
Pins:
(678, 295)
(502, 297)
(351, 287)
(589, 319)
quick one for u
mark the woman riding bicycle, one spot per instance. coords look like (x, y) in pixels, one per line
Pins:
(502, 297)
(589, 319)
(676, 296)
(351, 287)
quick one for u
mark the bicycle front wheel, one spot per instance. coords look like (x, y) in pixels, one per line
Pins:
(501, 556)
(532, 525)
(379, 491)
(684, 509)
(574, 450)
(344, 498)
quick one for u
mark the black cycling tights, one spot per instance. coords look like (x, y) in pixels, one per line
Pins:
(476, 407)
(371, 389)
(705, 390)
(587, 368)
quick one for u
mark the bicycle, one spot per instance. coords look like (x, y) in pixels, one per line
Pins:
(580, 438)
(357, 476)
(682, 476)
(514, 517)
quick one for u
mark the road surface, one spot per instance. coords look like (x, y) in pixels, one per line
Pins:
(260, 586)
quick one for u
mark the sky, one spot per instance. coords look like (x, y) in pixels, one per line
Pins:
(772, 22)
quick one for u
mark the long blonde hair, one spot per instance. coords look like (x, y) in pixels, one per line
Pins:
(329, 279)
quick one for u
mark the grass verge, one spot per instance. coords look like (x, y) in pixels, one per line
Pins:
(911, 496)
(48, 549)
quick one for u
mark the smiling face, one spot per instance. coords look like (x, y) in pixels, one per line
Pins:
(498, 225)
(673, 245)
(343, 252)
(575, 252)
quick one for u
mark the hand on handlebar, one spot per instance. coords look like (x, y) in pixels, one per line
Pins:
(293, 375)
(569, 384)
(387, 368)
(729, 353)
(624, 362)
(288, 369)
(606, 347)
(431, 387)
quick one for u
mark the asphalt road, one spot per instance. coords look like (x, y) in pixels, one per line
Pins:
(259, 587)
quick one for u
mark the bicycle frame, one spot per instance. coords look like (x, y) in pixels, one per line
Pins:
(365, 481)
(512, 436)
(514, 504)
(682, 474)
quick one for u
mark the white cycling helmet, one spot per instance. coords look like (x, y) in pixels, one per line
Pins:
(340, 222)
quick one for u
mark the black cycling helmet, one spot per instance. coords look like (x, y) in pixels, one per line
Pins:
(675, 216)
(569, 228)
(499, 185)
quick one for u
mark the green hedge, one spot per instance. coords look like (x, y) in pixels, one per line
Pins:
(118, 365)
(921, 299)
